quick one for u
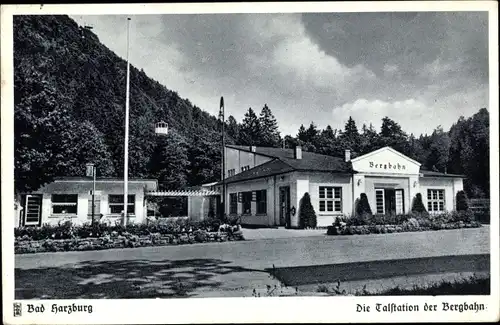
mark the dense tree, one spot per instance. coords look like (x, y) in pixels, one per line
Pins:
(438, 151)
(270, 135)
(368, 139)
(233, 129)
(350, 138)
(250, 129)
(169, 162)
(392, 135)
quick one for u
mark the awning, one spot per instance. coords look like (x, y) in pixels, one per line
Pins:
(182, 193)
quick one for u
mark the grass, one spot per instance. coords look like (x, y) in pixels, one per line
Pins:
(467, 286)
(471, 286)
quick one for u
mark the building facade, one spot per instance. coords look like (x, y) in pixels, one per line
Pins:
(264, 186)
(70, 198)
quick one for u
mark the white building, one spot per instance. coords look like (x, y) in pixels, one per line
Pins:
(69, 198)
(265, 185)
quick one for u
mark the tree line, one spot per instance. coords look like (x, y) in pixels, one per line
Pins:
(69, 97)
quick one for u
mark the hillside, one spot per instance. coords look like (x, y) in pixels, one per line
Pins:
(66, 79)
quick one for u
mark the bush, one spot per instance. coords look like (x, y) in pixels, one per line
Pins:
(307, 216)
(363, 206)
(418, 205)
(462, 201)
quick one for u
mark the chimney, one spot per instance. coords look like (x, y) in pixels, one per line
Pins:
(297, 153)
(253, 148)
(347, 155)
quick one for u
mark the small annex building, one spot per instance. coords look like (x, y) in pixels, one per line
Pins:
(264, 186)
(70, 198)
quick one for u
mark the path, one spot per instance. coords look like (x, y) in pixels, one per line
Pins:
(202, 269)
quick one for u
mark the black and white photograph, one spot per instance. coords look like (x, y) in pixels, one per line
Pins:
(170, 155)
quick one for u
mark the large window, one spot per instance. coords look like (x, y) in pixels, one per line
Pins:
(233, 203)
(330, 199)
(116, 204)
(435, 200)
(261, 199)
(246, 200)
(64, 203)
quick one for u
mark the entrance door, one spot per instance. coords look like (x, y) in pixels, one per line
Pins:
(285, 206)
(389, 201)
(33, 210)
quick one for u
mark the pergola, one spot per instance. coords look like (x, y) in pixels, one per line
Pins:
(198, 205)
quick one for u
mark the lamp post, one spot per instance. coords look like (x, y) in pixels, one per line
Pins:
(91, 171)
(125, 167)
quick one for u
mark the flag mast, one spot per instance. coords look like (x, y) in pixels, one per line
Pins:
(125, 167)
(223, 164)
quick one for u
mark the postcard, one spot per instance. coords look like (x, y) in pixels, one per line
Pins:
(250, 162)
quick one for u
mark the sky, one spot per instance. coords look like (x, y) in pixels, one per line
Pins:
(421, 69)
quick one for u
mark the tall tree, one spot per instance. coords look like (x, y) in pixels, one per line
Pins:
(438, 150)
(270, 135)
(368, 139)
(392, 135)
(233, 128)
(350, 137)
(250, 130)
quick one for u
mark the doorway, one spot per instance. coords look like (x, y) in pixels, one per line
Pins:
(389, 201)
(285, 206)
(33, 210)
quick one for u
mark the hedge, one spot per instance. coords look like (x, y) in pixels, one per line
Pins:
(380, 224)
(65, 236)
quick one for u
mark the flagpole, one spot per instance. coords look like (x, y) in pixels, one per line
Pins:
(125, 167)
(223, 161)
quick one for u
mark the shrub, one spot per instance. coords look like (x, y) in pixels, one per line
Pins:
(418, 205)
(363, 206)
(462, 201)
(307, 216)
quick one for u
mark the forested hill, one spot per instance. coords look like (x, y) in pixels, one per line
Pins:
(69, 110)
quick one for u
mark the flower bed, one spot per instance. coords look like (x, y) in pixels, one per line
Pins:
(67, 237)
(380, 224)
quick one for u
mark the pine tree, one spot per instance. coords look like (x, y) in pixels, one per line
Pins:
(462, 202)
(350, 137)
(270, 135)
(307, 216)
(250, 130)
(418, 205)
(363, 207)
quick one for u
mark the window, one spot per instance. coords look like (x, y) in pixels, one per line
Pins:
(116, 204)
(261, 198)
(233, 203)
(64, 203)
(231, 172)
(330, 199)
(380, 201)
(244, 168)
(435, 200)
(246, 199)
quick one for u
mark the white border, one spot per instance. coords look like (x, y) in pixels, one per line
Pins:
(241, 310)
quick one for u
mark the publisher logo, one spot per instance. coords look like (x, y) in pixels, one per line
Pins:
(17, 309)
